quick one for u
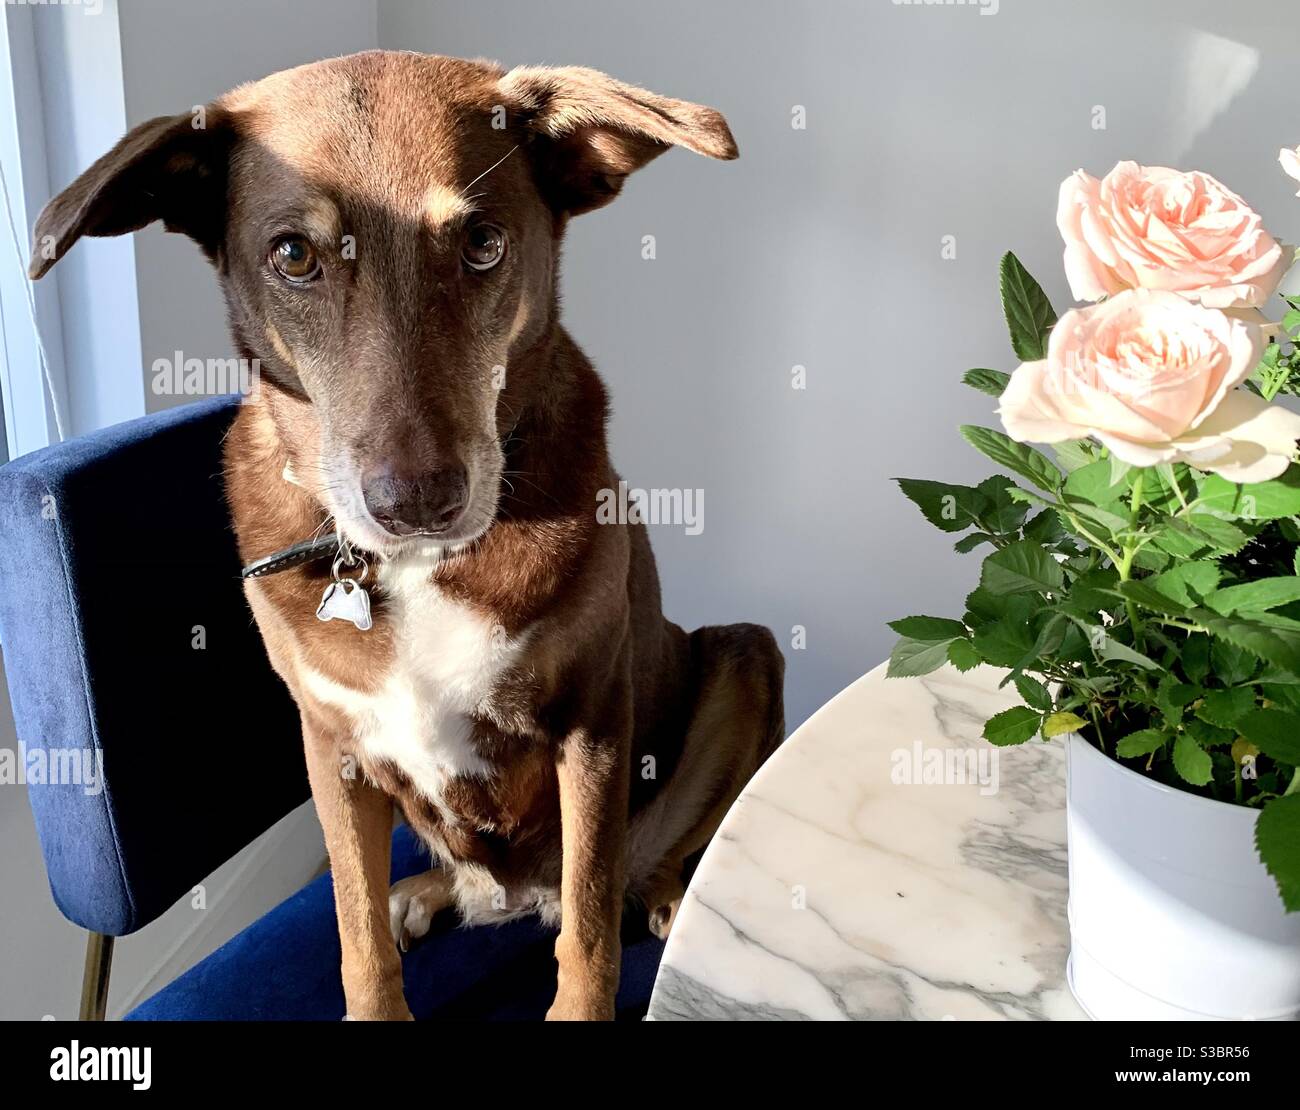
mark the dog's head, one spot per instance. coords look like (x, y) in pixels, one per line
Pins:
(386, 229)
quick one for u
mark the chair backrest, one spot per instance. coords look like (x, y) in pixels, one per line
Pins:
(127, 639)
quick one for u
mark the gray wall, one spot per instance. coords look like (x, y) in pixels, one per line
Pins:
(822, 248)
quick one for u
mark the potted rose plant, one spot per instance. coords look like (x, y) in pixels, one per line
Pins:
(1141, 588)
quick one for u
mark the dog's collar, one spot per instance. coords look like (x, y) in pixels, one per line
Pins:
(306, 551)
(345, 598)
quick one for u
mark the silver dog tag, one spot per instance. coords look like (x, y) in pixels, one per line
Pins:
(345, 600)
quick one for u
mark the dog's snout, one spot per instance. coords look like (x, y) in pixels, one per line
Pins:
(405, 504)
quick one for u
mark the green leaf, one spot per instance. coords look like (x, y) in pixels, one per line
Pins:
(1045, 528)
(1222, 536)
(1172, 696)
(1187, 582)
(1029, 313)
(1256, 500)
(983, 607)
(1273, 645)
(1195, 656)
(916, 657)
(1152, 559)
(1143, 742)
(1256, 596)
(1103, 521)
(1149, 558)
(1005, 512)
(962, 655)
(1144, 592)
(1198, 533)
(1119, 651)
(1021, 567)
(1161, 485)
(1275, 732)
(1034, 693)
(992, 382)
(1093, 483)
(1192, 762)
(950, 508)
(1178, 693)
(1231, 663)
(1024, 460)
(929, 629)
(1059, 723)
(1208, 735)
(1073, 453)
(1093, 593)
(1012, 726)
(1287, 697)
(971, 542)
(1051, 633)
(1179, 540)
(1277, 839)
(1028, 497)
(1271, 619)
(1004, 642)
(1226, 707)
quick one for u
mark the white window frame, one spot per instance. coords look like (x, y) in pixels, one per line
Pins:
(29, 417)
(62, 103)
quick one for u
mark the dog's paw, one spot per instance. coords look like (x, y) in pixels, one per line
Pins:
(412, 903)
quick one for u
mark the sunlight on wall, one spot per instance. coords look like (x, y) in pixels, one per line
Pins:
(1215, 71)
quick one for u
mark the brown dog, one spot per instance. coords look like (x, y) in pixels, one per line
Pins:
(386, 228)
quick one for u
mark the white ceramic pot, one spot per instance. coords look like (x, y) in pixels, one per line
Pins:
(1172, 916)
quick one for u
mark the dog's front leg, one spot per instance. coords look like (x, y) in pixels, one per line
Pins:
(593, 778)
(358, 823)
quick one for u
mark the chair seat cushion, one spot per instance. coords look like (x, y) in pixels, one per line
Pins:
(285, 966)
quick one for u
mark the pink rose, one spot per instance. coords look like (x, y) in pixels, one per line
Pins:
(1147, 227)
(1151, 375)
(1290, 160)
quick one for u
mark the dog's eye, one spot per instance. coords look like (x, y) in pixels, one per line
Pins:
(485, 246)
(295, 259)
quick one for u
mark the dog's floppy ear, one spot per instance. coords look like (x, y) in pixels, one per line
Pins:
(172, 168)
(592, 131)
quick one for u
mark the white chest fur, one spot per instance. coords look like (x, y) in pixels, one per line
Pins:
(447, 660)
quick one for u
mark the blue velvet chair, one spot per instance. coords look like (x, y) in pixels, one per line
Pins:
(117, 545)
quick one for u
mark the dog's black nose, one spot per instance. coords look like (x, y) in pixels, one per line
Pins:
(405, 504)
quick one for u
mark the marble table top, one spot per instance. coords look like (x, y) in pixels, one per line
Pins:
(886, 863)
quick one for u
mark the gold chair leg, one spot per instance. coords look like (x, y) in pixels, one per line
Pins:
(94, 983)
